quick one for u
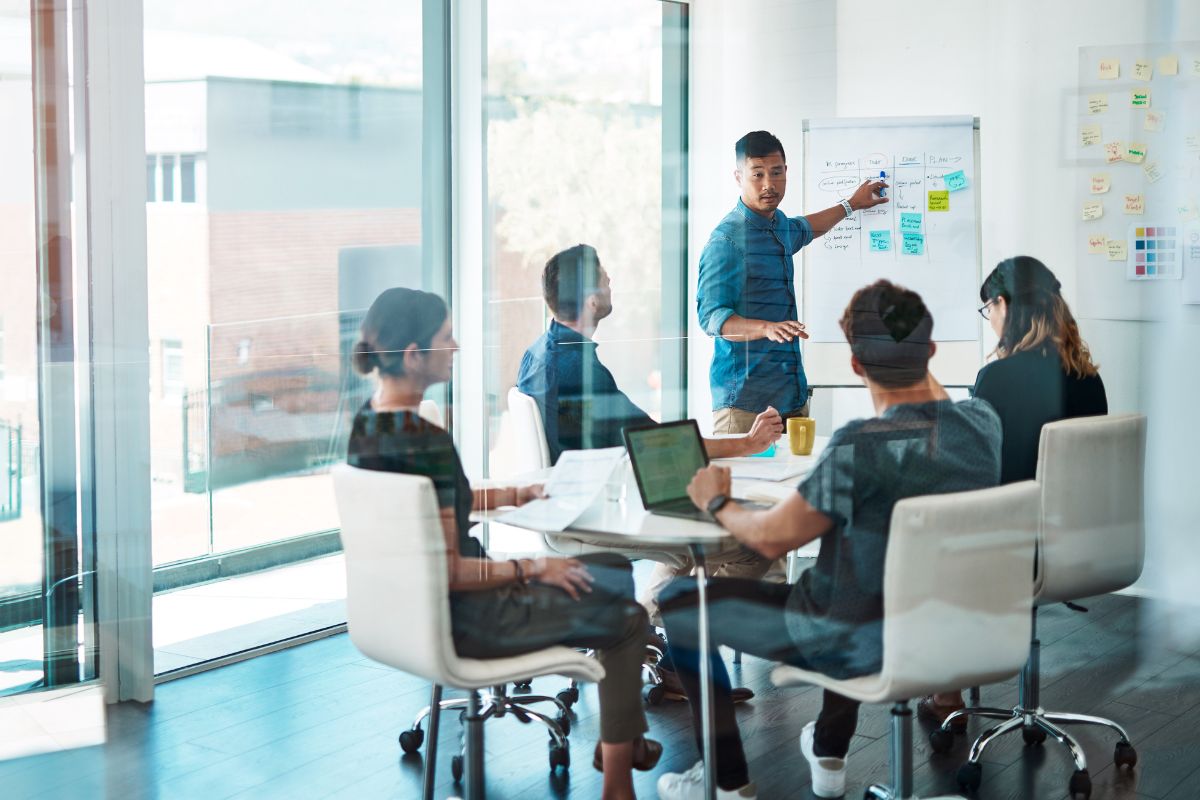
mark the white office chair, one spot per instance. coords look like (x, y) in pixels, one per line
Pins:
(429, 411)
(398, 611)
(532, 452)
(1091, 472)
(956, 607)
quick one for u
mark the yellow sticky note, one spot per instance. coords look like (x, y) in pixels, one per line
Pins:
(1093, 209)
(1097, 103)
(1139, 98)
(1154, 173)
(1195, 66)
(1135, 204)
(1110, 69)
(1114, 151)
(1089, 135)
(1135, 153)
(1118, 250)
(1192, 141)
(1155, 120)
(1168, 65)
(1142, 69)
(1098, 244)
(1101, 183)
(939, 201)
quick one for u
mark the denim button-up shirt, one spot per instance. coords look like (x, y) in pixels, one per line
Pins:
(581, 406)
(746, 269)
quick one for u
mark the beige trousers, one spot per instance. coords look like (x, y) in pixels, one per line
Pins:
(735, 420)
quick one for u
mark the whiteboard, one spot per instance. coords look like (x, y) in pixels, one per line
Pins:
(933, 252)
(1162, 174)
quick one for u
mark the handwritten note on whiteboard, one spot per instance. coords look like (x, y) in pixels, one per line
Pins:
(1097, 245)
(1135, 204)
(1097, 103)
(1114, 152)
(1101, 183)
(1142, 69)
(1089, 135)
(939, 201)
(1093, 209)
(1110, 69)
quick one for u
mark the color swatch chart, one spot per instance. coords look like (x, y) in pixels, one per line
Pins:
(1154, 253)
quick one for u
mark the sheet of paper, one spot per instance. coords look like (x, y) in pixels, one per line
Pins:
(1140, 98)
(1135, 152)
(1142, 70)
(1089, 135)
(1098, 244)
(881, 241)
(1110, 69)
(1117, 250)
(577, 480)
(1153, 171)
(910, 222)
(774, 470)
(1135, 204)
(1168, 65)
(1101, 183)
(1155, 120)
(914, 244)
(956, 181)
(1114, 151)
(939, 200)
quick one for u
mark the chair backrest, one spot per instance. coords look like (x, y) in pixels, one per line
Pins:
(429, 411)
(397, 598)
(1092, 474)
(532, 451)
(958, 587)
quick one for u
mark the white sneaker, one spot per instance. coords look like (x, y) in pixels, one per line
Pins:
(690, 786)
(828, 774)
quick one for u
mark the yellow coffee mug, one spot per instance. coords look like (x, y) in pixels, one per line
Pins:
(801, 431)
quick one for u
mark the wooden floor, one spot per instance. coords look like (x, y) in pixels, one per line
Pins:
(321, 721)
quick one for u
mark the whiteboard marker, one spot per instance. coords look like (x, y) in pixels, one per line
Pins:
(882, 175)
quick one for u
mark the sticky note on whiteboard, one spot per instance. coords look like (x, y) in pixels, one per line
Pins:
(881, 241)
(910, 222)
(1168, 65)
(1155, 120)
(1142, 70)
(1139, 98)
(1114, 152)
(1135, 204)
(1117, 250)
(956, 181)
(1101, 183)
(1097, 103)
(939, 201)
(1110, 69)
(1088, 135)
(1135, 153)
(1093, 209)
(914, 244)
(1097, 245)
(1154, 172)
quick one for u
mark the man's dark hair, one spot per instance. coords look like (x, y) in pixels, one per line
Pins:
(757, 144)
(889, 330)
(570, 277)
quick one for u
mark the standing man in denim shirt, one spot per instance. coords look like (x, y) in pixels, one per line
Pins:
(746, 299)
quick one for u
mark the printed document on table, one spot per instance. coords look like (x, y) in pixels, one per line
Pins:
(575, 482)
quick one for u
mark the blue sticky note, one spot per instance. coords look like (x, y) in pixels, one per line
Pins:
(910, 222)
(768, 453)
(955, 180)
(881, 241)
(914, 244)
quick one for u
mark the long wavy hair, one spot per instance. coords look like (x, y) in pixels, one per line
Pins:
(1038, 318)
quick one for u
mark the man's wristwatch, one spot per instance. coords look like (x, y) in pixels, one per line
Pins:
(717, 503)
(847, 207)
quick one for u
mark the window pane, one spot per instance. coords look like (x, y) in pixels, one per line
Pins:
(187, 179)
(151, 178)
(168, 178)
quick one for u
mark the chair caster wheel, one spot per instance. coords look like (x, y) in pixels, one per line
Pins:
(941, 740)
(559, 757)
(456, 768)
(654, 694)
(523, 686)
(1081, 785)
(411, 740)
(567, 697)
(1124, 755)
(564, 724)
(969, 776)
(1033, 734)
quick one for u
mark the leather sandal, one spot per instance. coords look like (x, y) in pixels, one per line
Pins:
(646, 753)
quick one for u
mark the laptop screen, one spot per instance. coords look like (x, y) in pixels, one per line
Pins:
(665, 457)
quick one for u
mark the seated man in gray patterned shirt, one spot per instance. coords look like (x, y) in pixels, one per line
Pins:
(920, 442)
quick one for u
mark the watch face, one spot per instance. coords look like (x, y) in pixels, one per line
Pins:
(717, 503)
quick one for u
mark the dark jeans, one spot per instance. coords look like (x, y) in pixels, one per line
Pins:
(513, 619)
(748, 616)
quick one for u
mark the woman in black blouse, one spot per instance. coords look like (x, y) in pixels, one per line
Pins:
(1043, 372)
(499, 608)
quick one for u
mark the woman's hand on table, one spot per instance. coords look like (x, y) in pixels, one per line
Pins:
(526, 494)
(708, 483)
(567, 574)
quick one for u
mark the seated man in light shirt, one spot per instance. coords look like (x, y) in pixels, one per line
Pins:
(920, 442)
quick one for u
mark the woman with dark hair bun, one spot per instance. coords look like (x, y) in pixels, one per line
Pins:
(1044, 371)
(499, 608)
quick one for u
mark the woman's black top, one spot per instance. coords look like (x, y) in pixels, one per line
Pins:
(401, 441)
(1029, 389)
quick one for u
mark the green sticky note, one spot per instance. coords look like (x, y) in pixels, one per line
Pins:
(1139, 98)
(939, 201)
(914, 244)
(955, 181)
(910, 222)
(881, 241)
(768, 453)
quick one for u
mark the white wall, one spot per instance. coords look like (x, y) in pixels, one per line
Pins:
(1011, 64)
